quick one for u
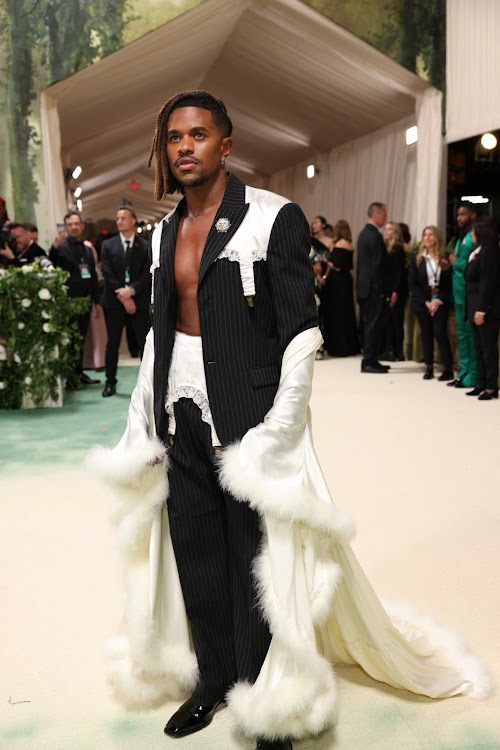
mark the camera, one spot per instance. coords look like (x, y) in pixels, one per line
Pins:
(6, 239)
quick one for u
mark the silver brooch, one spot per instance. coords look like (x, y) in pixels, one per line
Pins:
(223, 225)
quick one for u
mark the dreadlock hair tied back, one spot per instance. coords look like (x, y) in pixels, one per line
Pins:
(165, 182)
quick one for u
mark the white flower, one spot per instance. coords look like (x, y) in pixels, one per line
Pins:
(27, 380)
(17, 359)
(26, 302)
(64, 339)
(20, 326)
(44, 294)
(45, 315)
(2, 385)
(46, 328)
(29, 267)
(3, 352)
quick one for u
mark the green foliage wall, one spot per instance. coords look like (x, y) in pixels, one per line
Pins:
(44, 41)
(412, 32)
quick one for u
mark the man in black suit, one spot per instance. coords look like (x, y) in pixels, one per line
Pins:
(372, 281)
(233, 289)
(27, 250)
(68, 251)
(125, 267)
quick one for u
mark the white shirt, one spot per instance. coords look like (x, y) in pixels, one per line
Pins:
(124, 240)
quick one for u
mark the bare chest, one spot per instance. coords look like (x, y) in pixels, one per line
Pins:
(191, 239)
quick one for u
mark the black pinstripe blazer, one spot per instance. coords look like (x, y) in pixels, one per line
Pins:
(242, 346)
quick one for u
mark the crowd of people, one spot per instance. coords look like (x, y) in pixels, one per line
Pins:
(388, 271)
(117, 284)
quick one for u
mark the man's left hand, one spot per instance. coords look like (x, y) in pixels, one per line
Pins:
(394, 299)
(97, 311)
(124, 293)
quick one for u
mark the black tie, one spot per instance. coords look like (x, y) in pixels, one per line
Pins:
(127, 253)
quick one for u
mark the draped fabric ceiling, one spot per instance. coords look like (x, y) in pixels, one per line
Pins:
(298, 89)
(473, 61)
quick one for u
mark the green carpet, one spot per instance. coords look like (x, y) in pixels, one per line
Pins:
(44, 438)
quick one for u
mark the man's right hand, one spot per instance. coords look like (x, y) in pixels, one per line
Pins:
(129, 305)
(60, 237)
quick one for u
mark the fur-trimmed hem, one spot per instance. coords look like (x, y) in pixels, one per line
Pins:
(297, 707)
(282, 500)
(147, 677)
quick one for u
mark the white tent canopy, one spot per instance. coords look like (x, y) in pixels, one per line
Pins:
(299, 90)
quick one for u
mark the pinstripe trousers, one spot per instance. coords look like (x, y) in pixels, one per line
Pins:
(215, 538)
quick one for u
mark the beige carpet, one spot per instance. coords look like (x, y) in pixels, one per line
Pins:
(415, 462)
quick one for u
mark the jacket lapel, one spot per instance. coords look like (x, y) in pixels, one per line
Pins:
(167, 244)
(233, 208)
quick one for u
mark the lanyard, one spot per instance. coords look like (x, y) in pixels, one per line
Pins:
(435, 270)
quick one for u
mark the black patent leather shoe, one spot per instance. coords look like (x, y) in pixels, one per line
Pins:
(189, 718)
(109, 390)
(85, 380)
(429, 374)
(274, 745)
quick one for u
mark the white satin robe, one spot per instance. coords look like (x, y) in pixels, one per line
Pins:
(320, 607)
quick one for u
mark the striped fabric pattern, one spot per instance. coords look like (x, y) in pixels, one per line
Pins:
(242, 346)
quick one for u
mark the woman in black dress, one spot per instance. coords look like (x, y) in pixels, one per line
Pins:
(339, 318)
(482, 279)
(429, 280)
(398, 286)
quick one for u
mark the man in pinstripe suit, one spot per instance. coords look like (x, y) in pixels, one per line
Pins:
(221, 324)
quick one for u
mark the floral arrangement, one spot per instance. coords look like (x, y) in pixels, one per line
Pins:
(37, 333)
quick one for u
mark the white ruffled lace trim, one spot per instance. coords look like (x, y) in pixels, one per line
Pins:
(199, 398)
(233, 254)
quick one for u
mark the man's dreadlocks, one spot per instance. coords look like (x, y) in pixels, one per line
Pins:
(165, 182)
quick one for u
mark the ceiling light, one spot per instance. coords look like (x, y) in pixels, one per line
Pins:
(411, 135)
(78, 192)
(139, 230)
(488, 141)
(148, 227)
(79, 205)
(475, 199)
(76, 172)
(311, 171)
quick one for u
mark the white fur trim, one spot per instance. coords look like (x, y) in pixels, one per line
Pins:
(117, 466)
(281, 500)
(298, 707)
(140, 490)
(147, 673)
(303, 702)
